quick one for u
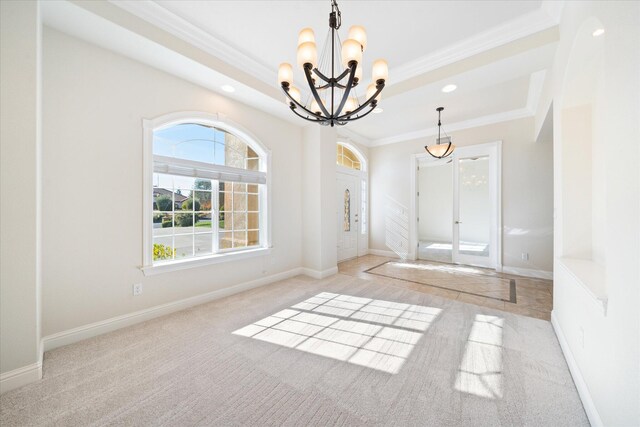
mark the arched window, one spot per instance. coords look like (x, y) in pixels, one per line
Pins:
(347, 158)
(208, 184)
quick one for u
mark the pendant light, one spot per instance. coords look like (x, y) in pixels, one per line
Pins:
(443, 146)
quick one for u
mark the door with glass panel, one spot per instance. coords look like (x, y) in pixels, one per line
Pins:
(475, 206)
(458, 207)
(348, 204)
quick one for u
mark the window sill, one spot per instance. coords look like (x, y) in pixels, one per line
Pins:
(199, 262)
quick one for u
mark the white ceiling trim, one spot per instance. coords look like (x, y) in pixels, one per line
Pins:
(518, 28)
(452, 127)
(157, 15)
(536, 83)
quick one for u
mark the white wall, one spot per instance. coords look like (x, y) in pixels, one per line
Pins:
(435, 204)
(602, 346)
(93, 105)
(20, 146)
(527, 189)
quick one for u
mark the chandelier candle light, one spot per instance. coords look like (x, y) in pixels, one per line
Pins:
(333, 101)
(443, 146)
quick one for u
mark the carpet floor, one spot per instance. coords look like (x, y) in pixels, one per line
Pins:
(338, 351)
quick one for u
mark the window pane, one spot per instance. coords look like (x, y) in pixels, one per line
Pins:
(239, 201)
(225, 240)
(225, 221)
(253, 164)
(202, 200)
(252, 188)
(203, 222)
(162, 224)
(163, 248)
(253, 238)
(204, 244)
(239, 187)
(224, 200)
(187, 141)
(184, 222)
(184, 246)
(239, 239)
(253, 220)
(163, 199)
(252, 202)
(239, 221)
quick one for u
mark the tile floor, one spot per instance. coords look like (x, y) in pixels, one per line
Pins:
(534, 297)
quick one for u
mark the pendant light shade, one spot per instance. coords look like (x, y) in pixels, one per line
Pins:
(380, 71)
(306, 35)
(307, 54)
(358, 34)
(285, 74)
(443, 146)
(351, 51)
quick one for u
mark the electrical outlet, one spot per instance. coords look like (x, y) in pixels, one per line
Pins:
(525, 256)
(137, 289)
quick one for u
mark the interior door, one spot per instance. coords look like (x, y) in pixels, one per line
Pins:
(348, 213)
(475, 210)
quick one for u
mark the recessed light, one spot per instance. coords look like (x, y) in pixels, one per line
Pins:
(377, 110)
(228, 88)
(449, 88)
(598, 32)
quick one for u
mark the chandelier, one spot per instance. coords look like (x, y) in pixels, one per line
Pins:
(443, 146)
(333, 81)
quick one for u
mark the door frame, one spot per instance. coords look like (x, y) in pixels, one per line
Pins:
(362, 175)
(495, 149)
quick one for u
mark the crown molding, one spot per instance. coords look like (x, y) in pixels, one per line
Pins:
(162, 18)
(536, 83)
(346, 133)
(452, 127)
(523, 26)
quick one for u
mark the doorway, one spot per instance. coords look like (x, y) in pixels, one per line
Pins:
(457, 207)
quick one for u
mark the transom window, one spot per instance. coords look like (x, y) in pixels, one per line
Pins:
(209, 193)
(347, 158)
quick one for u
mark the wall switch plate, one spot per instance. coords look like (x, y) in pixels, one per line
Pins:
(137, 289)
(525, 256)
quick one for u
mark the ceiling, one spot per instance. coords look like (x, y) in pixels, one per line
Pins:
(494, 51)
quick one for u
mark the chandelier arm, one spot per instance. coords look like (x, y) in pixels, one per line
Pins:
(350, 119)
(302, 106)
(344, 74)
(379, 87)
(322, 76)
(352, 66)
(307, 73)
(315, 120)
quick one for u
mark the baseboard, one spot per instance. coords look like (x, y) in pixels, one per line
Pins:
(317, 274)
(528, 272)
(91, 330)
(21, 376)
(581, 385)
(382, 252)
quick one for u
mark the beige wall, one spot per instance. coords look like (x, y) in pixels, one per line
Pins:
(20, 187)
(527, 189)
(93, 105)
(601, 345)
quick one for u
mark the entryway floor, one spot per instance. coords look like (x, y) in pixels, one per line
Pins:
(515, 294)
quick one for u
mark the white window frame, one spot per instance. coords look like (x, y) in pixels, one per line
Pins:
(218, 121)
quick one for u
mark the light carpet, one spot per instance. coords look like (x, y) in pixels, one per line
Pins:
(338, 351)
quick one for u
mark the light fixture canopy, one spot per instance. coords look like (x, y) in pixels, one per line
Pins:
(228, 88)
(333, 79)
(443, 146)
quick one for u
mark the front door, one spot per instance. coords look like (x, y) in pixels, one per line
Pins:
(348, 207)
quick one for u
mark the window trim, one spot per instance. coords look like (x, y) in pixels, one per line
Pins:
(221, 122)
